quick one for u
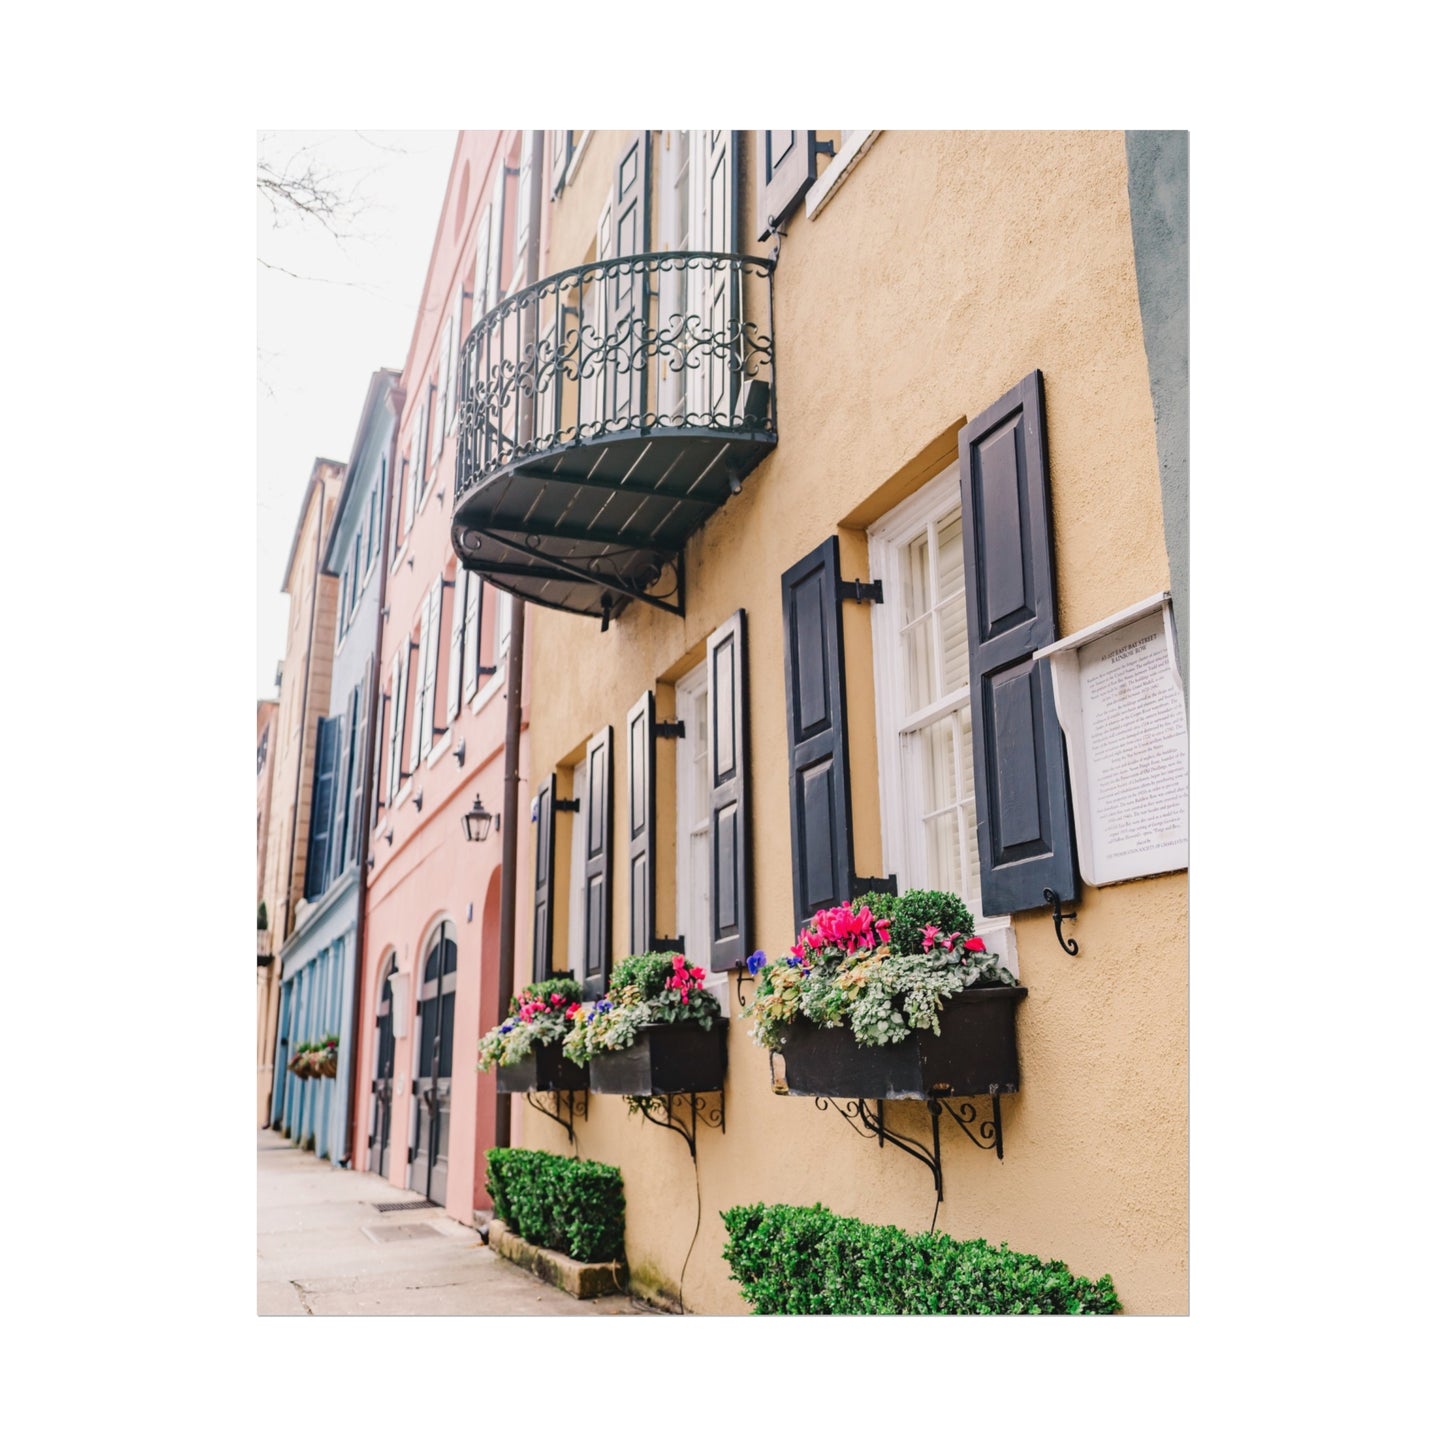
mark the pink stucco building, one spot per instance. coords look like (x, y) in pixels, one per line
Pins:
(430, 966)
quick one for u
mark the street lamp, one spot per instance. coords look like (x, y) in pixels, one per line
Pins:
(477, 822)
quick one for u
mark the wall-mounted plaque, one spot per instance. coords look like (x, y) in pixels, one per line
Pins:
(1120, 699)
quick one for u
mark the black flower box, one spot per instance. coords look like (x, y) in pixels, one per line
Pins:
(545, 1070)
(974, 1052)
(665, 1059)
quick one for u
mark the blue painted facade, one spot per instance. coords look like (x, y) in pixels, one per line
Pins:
(319, 962)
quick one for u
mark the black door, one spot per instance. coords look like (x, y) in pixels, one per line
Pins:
(432, 1086)
(381, 1085)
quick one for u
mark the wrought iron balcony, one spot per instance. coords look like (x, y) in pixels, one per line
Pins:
(607, 412)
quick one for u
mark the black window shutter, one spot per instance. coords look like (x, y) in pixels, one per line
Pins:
(730, 912)
(787, 166)
(542, 880)
(327, 729)
(596, 819)
(818, 781)
(642, 823)
(1025, 830)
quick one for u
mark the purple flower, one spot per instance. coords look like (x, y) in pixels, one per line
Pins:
(756, 961)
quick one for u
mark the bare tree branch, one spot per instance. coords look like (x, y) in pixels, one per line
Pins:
(301, 189)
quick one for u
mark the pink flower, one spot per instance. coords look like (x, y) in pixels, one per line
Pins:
(930, 932)
(573, 1010)
(884, 924)
(974, 945)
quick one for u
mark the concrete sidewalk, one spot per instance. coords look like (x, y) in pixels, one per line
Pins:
(323, 1248)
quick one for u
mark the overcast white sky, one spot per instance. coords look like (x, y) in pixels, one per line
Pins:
(345, 309)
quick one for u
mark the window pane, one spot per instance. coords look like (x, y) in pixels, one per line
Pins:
(953, 630)
(952, 618)
(941, 852)
(940, 776)
(917, 589)
(920, 681)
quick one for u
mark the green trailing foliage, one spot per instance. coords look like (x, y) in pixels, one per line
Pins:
(574, 1206)
(644, 988)
(791, 1260)
(541, 1014)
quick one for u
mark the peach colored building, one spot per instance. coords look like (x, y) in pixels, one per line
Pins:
(305, 696)
(898, 440)
(430, 972)
(266, 711)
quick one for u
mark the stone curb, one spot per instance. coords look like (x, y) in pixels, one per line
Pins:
(585, 1281)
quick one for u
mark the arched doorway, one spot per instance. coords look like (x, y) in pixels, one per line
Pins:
(431, 1086)
(380, 1158)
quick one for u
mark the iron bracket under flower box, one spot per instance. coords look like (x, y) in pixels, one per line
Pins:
(975, 1052)
(547, 1070)
(665, 1059)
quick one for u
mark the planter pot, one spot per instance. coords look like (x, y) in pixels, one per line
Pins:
(545, 1070)
(326, 1067)
(665, 1059)
(975, 1052)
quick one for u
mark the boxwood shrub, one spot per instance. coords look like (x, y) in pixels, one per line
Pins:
(810, 1261)
(571, 1205)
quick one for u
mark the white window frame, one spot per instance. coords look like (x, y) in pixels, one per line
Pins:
(853, 146)
(674, 237)
(887, 539)
(693, 900)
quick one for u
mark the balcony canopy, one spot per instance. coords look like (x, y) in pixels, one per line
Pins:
(607, 412)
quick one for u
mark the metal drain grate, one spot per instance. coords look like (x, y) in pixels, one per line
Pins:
(405, 1204)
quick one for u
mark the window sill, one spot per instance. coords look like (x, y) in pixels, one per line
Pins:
(440, 748)
(495, 683)
(852, 151)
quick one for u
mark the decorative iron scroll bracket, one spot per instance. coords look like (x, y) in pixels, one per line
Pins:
(665, 1111)
(566, 805)
(670, 945)
(1069, 945)
(670, 729)
(859, 591)
(564, 1110)
(865, 1121)
(990, 1133)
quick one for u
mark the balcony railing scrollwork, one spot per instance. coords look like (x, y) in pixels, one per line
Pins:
(606, 412)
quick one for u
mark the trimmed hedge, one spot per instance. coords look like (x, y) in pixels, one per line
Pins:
(810, 1261)
(571, 1205)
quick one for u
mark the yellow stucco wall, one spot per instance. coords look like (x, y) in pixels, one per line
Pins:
(944, 269)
